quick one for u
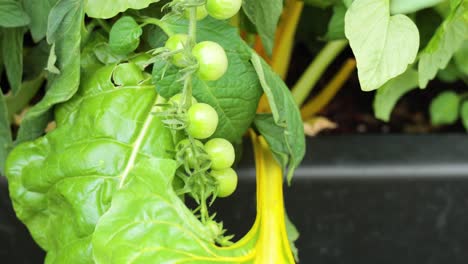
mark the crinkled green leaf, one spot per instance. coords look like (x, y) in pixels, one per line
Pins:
(124, 36)
(384, 45)
(447, 40)
(38, 11)
(12, 14)
(284, 132)
(444, 109)
(5, 133)
(264, 14)
(64, 31)
(389, 94)
(110, 8)
(12, 52)
(62, 183)
(235, 96)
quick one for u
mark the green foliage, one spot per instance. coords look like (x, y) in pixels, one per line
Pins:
(12, 50)
(66, 19)
(444, 109)
(384, 45)
(110, 8)
(389, 94)
(264, 14)
(337, 23)
(12, 14)
(283, 130)
(6, 140)
(464, 114)
(38, 11)
(125, 36)
(405, 6)
(446, 41)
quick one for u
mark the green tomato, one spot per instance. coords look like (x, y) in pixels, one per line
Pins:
(223, 9)
(177, 43)
(201, 12)
(202, 121)
(212, 60)
(189, 153)
(177, 99)
(127, 74)
(227, 181)
(221, 153)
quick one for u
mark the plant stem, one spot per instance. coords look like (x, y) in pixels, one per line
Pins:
(315, 70)
(28, 90)
(326, 95)
(193, 25)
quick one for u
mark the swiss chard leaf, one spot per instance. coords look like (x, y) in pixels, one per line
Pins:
(384, 45)
(446, 41)
(235, 96)
(283, 130)
(264, 14)
(12, 14)
(12, 52)
(389, 94)
(5, 133)
(64, 31)
(60, 199)
(110, 8)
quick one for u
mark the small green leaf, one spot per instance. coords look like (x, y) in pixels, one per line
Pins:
(110, 8)
(384, 45)
(125, 36)
(284, 130)
(6, 141)
(264, 14)
(464, 114)
(12, 14)
(388, 95)
(447, 40)
(444, 109)
(38, 11)
(12, 51)
(337, 23)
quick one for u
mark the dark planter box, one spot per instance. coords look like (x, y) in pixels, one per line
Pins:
(356, 199)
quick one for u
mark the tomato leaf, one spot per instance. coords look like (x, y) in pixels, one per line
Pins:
(12, 52)
(384, 45)
(446, 41)
(12, 14)
(235, 96)
(264, 14)
(444, 109)
(110, 8)
(284, 130)
(64, 31)
(125, 35)
(38, 11)
(389, 94)
(6, 141)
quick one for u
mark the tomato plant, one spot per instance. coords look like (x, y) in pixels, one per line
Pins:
(102, 139)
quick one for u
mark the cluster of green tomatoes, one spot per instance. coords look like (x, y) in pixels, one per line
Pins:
(209, 62)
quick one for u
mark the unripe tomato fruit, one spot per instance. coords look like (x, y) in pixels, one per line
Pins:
(212, 60)
(221, 153)
(175, 43)
(202, 121)
(227, 181)
(223, 9)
